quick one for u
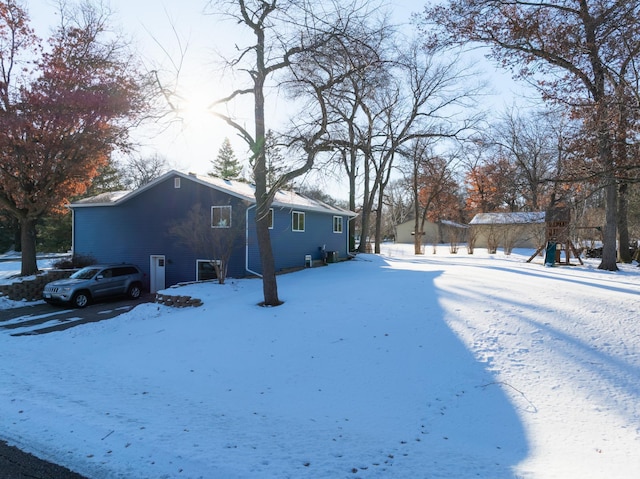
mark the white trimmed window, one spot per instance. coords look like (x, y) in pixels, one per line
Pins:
(205, 269)
(176, 182)
(337, 224)
(297, 221)
(221, 216)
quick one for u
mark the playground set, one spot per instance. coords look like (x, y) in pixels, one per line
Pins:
(557, 238)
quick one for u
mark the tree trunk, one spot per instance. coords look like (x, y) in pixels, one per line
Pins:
(624, 255)
(622, 158)
(609, 236)
(379, 221)
(352, 196)
(417, 238)
(364, 227)
(269, 282)
(417, 225)
(366, 210)
(28, 244)
(606, 157)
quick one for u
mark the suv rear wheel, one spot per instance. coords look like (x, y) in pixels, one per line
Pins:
(80, 299)
(134, 291)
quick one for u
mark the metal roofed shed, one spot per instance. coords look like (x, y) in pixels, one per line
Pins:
(509, 230)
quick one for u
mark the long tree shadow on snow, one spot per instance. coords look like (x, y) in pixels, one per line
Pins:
(436, 409)
(580, 347)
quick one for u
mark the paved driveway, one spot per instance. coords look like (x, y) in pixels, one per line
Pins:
(46, 318)
(15, 464)
(41, 319)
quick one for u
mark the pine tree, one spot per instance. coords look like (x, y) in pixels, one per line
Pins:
(226, 165)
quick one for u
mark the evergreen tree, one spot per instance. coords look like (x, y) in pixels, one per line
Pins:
(109, 178)
(275, 164)
(226, 165)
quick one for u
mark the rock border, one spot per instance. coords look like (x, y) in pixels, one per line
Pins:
(30, 288)
(177, 301)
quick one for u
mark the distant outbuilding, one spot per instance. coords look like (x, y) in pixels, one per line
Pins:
(508, 230)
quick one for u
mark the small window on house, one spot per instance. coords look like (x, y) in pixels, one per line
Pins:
(176, 183)
(221, 216)
(337, 224)
(297, 221)
(205, 269)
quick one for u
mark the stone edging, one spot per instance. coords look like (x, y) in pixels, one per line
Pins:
(30, 288)
(177, 301)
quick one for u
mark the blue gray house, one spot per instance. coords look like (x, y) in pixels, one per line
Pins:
(133, 227)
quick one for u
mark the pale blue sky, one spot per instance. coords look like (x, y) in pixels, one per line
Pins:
(151, 23)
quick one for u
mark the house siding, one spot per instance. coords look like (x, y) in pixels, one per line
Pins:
(290, 247)
(139, 227)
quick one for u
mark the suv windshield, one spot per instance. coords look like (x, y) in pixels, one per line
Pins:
(85, 273)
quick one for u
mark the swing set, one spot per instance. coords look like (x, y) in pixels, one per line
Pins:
(557, 240)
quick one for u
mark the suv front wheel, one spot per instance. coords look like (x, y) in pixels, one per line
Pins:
(80, 299)
(134, 291)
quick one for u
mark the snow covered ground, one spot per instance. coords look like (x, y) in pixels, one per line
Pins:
(390, 366)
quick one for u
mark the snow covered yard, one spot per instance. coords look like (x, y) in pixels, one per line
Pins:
(390, 366)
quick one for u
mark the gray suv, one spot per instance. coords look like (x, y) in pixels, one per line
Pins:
(95, 282)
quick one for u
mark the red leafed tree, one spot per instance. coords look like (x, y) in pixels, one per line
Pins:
(433, 187)
(491, 187)
(65, 105)
(439, 191)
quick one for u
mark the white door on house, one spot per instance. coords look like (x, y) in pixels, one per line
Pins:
(157, 273)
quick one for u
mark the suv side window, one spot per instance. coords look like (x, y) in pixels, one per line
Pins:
(107, 273)
(125, 270)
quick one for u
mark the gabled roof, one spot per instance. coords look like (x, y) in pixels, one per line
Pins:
(453, 224)
(103, 198)
(518, 218)
(239, 189)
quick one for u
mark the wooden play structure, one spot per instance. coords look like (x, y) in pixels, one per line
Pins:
(557, 238)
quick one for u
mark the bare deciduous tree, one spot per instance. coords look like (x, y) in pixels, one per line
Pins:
(527, 142)
(294, 44)
(433, 188)
(472, 238)
(582, 54)
(399, 203)
(424, 100)
(216, 242)
(137, 171)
